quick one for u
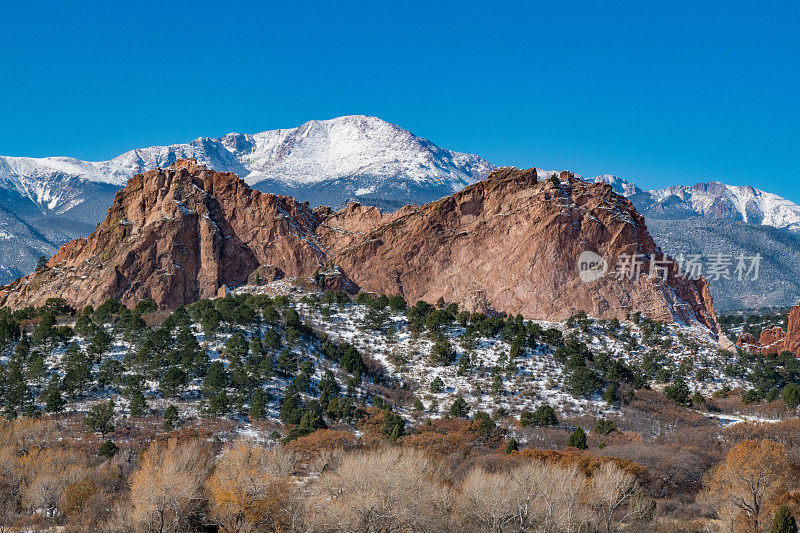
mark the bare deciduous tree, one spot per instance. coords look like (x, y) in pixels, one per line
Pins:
(535, 496)
(559, 495)
(487, 502)
(610, 491)
(381, 491)
(753, 472)
(250, 490)
(47, 475)
(168, 485)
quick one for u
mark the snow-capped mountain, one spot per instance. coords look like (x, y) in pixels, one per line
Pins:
(324, 162)
(712, 200)
(45, 202)
(713, 218)
(620, 186)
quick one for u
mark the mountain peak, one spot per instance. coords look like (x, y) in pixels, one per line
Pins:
(323, 161)
(181, 233)
(712, 200)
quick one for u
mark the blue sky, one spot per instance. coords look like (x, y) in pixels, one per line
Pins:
(657, 92)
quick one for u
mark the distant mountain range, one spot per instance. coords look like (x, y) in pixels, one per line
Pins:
(45, 202)
(711, 218)
(326, 162)
(712, 200)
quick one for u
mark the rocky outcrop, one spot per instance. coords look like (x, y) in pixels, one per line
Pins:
(792, 341)
(176, 235)
(264, 274)
(335, 279)
(509, 243)
(771, 341)
(748, 342)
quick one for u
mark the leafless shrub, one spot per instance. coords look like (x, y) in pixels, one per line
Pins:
(386, 490)
(250, 489)
(167, 488)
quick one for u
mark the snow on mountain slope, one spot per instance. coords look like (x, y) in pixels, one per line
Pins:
(620, 186)
(44, 202)
(717, 200)
(362, 156)
(710, 200)
(711, 218)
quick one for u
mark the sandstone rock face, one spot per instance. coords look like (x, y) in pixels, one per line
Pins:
(792, 341)
(772, 341)
(335, 279)
(264, 274)
(748, 342)
(176, 235)
(509, 243)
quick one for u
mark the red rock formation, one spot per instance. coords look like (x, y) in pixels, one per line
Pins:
(771, 341)
(264, 275)
(792, 341)
(748, 342)
(177, 235)
(513, 242)
(509, 243)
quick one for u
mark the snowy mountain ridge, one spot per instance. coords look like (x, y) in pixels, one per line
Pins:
(45, 202)
(710, 200)
(362, 155)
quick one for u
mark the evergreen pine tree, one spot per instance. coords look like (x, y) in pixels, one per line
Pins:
(17, 394)
(545, 416)
(218, 405)
(172, 381)
(485, 423)
(791, 395)
(783, 522)
(23, 349)
(603, 426)
(36, 368)
(393, 425)
(464, 364)
(459, 408)
(698, 399)
(256, 352)
(497, 384)
(78, 371)
(610, 395)
(577, 439)
(138, 404)
(99, 418)
(512, 446)
(216, 378)
(53, 401)
(678, 391)
(434, 406)
(170, 418)
(108, 449)
(258, 405)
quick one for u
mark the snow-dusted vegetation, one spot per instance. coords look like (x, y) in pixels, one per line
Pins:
(283, 351)
(265, 409)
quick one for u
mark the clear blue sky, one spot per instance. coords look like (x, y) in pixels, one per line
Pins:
(658, 92)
